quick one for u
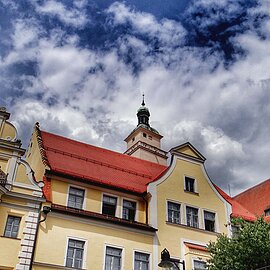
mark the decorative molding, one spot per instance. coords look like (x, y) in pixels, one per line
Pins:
(146, 147)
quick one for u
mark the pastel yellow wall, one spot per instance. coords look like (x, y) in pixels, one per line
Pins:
(93, 197)
(9, 247)
(173, 189)
(21, 176)
(8, 132)
(33, 157)
(54, 232)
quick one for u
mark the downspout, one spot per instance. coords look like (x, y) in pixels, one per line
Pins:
(45, 211)
(36, 235)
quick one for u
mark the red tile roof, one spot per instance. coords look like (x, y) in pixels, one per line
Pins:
(238, 210)
(97, 164)
(256, 199)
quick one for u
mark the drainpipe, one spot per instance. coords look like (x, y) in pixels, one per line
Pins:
(45, 211)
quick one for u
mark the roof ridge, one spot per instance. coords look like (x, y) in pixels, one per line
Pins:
(96, 162)
(249, 189)
(104, 149)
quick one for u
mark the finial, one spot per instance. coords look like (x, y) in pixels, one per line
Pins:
(143, 104)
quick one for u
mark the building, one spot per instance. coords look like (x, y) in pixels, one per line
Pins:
(256, 199)
(106, 210)
(20, 200)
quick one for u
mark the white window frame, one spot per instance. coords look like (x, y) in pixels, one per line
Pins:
(181, 210)
(145, 252)
(195, 183)
(197, 259)
(118, 202)
(122, 254)
(122, 206)
(199, 216)
(10, 214)
(84, 250)
(216, 219)
(84, 198)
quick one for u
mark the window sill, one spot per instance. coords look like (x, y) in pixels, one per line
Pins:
(192, 192)
(191, 228)
(14, 238)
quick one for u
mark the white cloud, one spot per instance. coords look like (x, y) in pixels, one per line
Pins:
(73, 16)
(224, 111)
(168, 31)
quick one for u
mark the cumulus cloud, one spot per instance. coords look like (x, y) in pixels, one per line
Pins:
(193, 93)
(74, 16)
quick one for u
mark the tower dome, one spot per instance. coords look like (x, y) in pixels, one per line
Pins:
(143, 114)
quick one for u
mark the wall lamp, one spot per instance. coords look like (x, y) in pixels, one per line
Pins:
(166, 261)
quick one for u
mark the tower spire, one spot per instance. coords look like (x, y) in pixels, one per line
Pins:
(143, 114)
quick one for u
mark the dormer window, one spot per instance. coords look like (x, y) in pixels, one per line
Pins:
(109, 205)
(189, 184)
(75, 198)
(129, 210)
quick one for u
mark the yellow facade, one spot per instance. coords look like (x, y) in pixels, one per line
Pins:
(184, 242)
(20, 200)
(176, 237)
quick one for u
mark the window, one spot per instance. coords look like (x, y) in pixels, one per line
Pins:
(129, 210)
(209, 221)
(109, 205)
(113, 258)
(144, 135)
(267, 212)
(199, 265)
(192, 217)
(141, 261)
(75, 198)
(174, 212)
(75, 253)
(189, 184)
(12, 226)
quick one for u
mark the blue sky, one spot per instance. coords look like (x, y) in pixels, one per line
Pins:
(80, 67)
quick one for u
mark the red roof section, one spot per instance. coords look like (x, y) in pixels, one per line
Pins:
(98, 165)
(238, 210)
(256, 199)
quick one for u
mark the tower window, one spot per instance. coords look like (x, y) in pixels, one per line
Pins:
(144, 135)
(133, 139)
